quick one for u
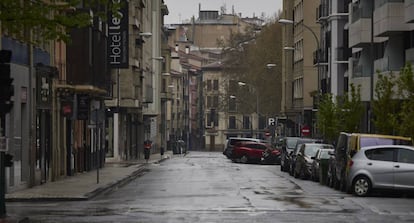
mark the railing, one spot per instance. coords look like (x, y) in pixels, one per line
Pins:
(357, 70)
(319, 57)
(381, 64)
(379, 3)
(321, 12)
(359, 13)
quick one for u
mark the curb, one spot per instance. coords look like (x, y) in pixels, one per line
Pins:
(100, 190)
(111, 186)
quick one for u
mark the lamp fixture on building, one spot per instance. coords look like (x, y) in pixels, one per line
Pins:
(158, 58)
(145, 34)
(270, 65)
(289, 48)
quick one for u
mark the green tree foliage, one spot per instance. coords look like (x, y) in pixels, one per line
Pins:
(385, 105)
(406, 92)
(343, 114)
(246, 57)
(49, 20)
(351, 110)
(327, 118)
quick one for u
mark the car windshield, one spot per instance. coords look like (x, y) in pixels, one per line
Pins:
(324, 154)
(311, 150)
(291, 143)
(373, 141)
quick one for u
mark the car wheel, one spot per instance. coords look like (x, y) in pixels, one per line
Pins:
(244, 159)
(361, 186)
(281, 168)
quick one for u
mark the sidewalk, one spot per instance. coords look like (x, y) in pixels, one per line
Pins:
(84, 186)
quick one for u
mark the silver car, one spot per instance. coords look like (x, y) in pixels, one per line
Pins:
(381, 167)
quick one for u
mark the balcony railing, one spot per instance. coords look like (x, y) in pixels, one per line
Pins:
(382, 64)
(360, 13)
(322, 12)
(357, 70)
(319, 57)
(379, 3)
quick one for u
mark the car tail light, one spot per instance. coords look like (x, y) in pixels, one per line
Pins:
(350, 163)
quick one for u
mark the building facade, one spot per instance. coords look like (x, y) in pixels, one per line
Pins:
(300, 76)
(381, 35)
(78, 105)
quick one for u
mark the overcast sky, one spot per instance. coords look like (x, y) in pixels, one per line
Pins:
(181, 10)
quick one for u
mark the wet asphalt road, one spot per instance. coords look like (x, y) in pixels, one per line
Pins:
(207, 187)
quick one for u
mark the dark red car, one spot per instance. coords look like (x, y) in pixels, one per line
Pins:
(248, 152)
(271, 156)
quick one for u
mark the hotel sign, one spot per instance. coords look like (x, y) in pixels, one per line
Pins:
(118, 36)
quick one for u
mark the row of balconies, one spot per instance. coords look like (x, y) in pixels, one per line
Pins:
(389, 17)
(381, 65)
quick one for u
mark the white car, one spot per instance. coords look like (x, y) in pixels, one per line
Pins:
(381, 167)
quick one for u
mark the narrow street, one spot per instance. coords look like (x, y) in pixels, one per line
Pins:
(207, 187)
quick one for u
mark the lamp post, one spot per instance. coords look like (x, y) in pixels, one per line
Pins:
(291, 22)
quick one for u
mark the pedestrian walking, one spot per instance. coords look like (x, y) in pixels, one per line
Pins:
(147, 149)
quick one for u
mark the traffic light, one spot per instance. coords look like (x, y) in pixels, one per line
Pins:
(6, 87)
(8, 160)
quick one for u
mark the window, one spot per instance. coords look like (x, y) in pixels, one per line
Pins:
(232, 105)
(373, 141)
(232, 122)
(209, 101)
(209, 85)
(246, 122)
(405, 156)
(212, 118)
(212, 101)
(382, 154)
(215, 101)
(215, 85)
(298, 88)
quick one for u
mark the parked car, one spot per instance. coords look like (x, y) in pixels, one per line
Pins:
(248, 152)
(381, 167)
(230, 142)
(271, 156)
(320, 160)
(349, 144)
(304, 159)
(293, 156)
(288, 145)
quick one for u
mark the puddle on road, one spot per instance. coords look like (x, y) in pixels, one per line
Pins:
(294, 200)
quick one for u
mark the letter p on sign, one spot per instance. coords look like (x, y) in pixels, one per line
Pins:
(271, 122)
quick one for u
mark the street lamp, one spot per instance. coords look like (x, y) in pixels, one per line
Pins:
(289, 48)
(146, 34)
(270, 65)
(291, 22)
(240, 83)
